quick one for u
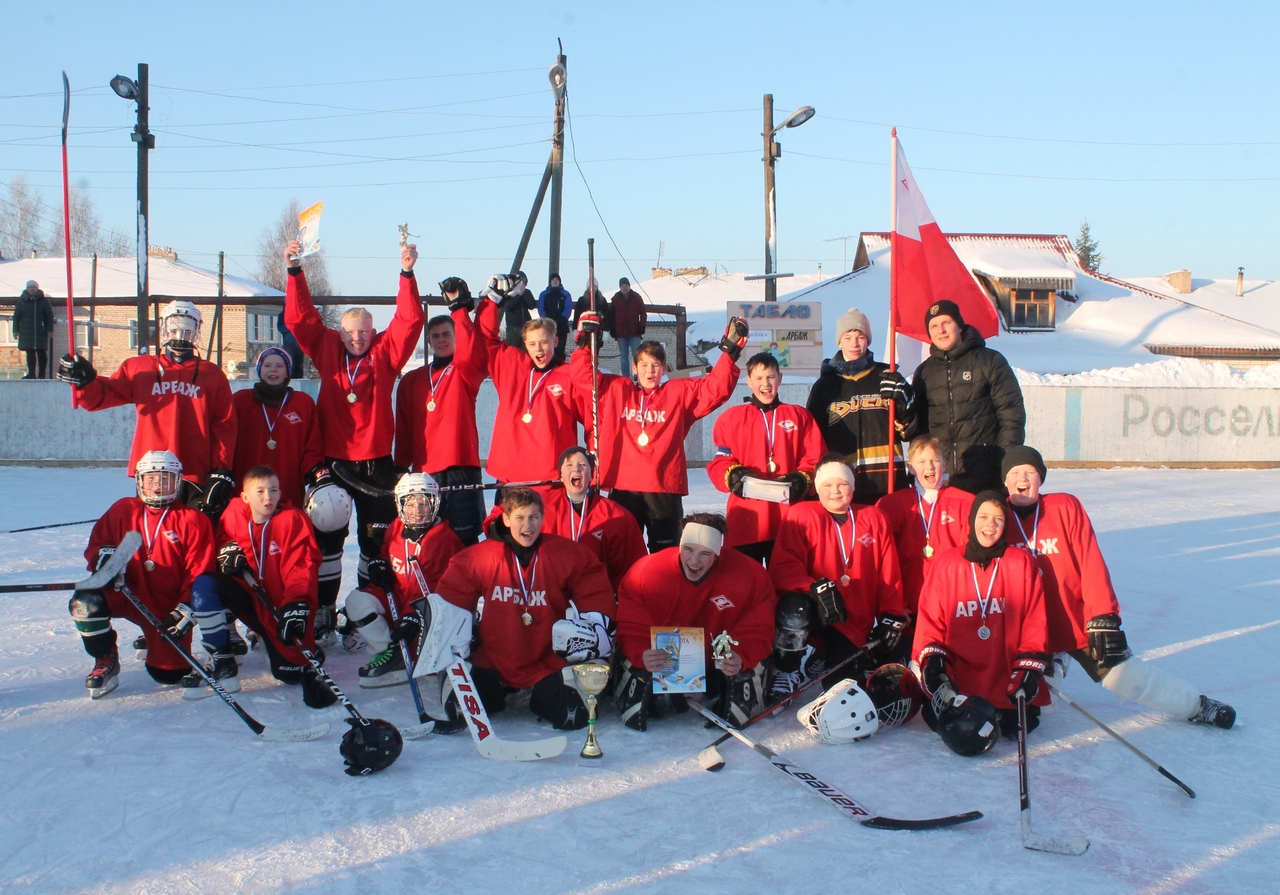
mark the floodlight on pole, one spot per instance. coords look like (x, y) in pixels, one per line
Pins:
(136, 91)
(772, 150)
(125, 88)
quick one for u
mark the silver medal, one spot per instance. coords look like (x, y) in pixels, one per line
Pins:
(271, 444)
(773, 467)
(844, 580)
(351, 397)
(928, 551)
(431, 405)
(984, 633)
(643, 440)
(149, 565)
(527, 619)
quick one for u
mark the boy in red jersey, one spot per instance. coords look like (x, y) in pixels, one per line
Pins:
(177, 546)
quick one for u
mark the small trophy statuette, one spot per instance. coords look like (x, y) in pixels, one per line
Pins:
(591, 678)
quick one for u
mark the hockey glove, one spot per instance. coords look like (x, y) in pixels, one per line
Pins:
(888, 631)
(291, 626)
(735, 338)
(317, 475)
(1108, 646)
(316, 694)
(735, 477)
(580, 636)
(409, 628)
(76, 370)
(894, 388)
(1024, 679)
(179, 621)
(462, 298)
(799, 484)
(104, 554)
(829, 601)
(933, 675)
(380, 574)
(232, 561)
(501, 285)
(218, 492)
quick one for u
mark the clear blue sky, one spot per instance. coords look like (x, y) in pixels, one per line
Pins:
(1156, 121)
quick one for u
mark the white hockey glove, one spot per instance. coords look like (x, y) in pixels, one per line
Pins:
(580, 636)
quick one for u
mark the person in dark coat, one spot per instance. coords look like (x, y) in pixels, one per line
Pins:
(629, 321)
(516, 308)
(602, 307)
(850, 402)
(968, 397)
(556, 302)
(33, 325)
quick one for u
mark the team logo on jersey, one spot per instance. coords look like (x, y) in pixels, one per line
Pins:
(274, 549)
(966, 609)
(171, 387)
(722, 602)
(866, 540)
(293, 417)
(173, 537)
(650, 416)
(598, 534)
(556, 389)
(788, 426)
(947, 518)
(513, 595)
(1048, 545)
(967, 376)
(838, 410)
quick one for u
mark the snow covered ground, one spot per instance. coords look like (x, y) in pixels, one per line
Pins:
(144, 792)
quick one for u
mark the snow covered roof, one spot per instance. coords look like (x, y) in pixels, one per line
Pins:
(1008, 256)
(118, 278)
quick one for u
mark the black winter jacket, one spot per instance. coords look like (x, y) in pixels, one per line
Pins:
(969, 398)
(32, 320)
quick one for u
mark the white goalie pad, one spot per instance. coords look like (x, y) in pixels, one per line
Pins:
(1143, 683)
(446, 639)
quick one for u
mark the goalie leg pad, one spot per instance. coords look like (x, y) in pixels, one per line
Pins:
(633, 697)
(369, 616)
(92, 617)
(1142, 682)
(553, 701)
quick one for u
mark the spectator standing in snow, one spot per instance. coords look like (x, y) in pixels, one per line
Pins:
(33, 325)
(628, 324)
(556, 303)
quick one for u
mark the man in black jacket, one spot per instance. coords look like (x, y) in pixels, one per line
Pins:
(33, 324)
(968, 397)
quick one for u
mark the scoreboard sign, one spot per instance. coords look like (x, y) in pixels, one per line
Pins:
(790, 331)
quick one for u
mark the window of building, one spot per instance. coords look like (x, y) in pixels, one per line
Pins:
(7, 336)
(133, 335)
(86, 335)
(1032, 308)
(262, 328)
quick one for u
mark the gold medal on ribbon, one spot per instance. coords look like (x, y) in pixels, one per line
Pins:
(928, 551)
(351, 397)
(643, 440)
(527, 619)
(431, 405)
(149, 565)
(527, 418)
(844, 580)
(773, 467)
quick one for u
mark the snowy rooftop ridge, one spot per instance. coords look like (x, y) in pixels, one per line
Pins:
(118, 278)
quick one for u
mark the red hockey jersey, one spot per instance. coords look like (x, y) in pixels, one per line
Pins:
(660, 419)
(909, 514)
(751, 436)
(182, 407)
(486, 575)
(1077, 584)
(735, 596)
(809, 547)
(431, 554)
(952, 613)
(364, 428)
(536, 417)
(285, 437)
(436, 410)
(283, 557)
(608, 531)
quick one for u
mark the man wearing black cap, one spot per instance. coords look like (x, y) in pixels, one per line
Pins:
(968, 397)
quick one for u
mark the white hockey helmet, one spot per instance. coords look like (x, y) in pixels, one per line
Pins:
(843, 714)
(180, 323)
(158, 476)
(329, 507)
(417, 513)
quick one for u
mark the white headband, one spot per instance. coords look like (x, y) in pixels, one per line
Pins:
(702, 536)
(832, 470)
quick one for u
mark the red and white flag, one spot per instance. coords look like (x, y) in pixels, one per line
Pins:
(924, 268)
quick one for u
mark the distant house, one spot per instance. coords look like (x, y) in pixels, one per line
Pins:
(104, 291)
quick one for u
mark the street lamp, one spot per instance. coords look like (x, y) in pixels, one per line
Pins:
(136, 91)
(772, 150)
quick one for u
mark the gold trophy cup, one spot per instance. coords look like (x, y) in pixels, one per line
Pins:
(591, 678)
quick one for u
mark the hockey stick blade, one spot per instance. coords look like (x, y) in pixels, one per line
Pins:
(841, 801)
(115, 563)
(417, 731)
(1056, 845)
(489, 744)
(295, 734)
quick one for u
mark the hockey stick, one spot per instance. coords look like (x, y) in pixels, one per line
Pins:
(841, 801)
(496, 486)
(298, 735)
(423, 717)
(595, 364)
(14, 531)
(489, 744)
(710, 757)
(105, 574)
(1058, 845)
(1131, 747)
(408, 733)
(351, 483)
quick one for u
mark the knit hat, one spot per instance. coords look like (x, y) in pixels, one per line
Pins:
(944, 308)
(624, 282)
(576, 449)
(1022, 455)
(32, 284)
(853, 319)
(278, 352)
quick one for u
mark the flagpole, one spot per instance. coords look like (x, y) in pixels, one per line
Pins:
(893, 295)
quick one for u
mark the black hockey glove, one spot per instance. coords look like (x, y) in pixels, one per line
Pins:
(318, 475)
(1108, 646)
(409, 628)
(888, 631)
(316, 694)
(291, 627)
(735, 477)
(218, 491)
(463, 298)
(1024, 678)
(380, 575)
(933, 673)
(799, 484)
(232, 561)
(104, 554)
(735, 338)
(894, 388)
(179, 621)
(829, 602)
(76, 370)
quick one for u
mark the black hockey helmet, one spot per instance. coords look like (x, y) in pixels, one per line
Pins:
(370, 746)
(895, 692)
(968, 725)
